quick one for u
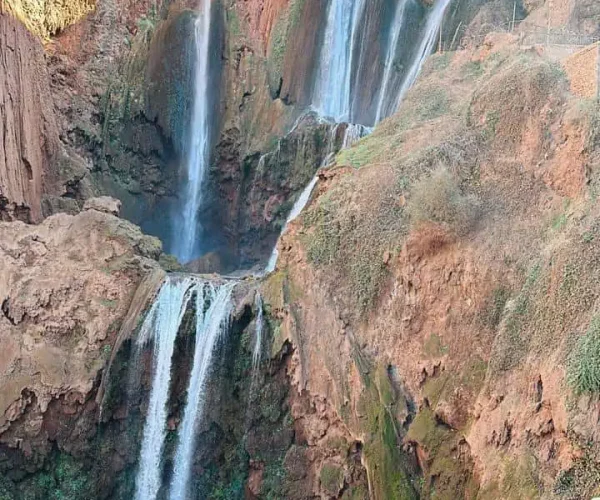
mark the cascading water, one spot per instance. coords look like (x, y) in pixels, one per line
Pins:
(160, 326)
(187, 223)
(213, 313)
(428, 38)
(332, 95)
(258, 334)
(210, 326)
(296, 209)
(213, 301)
(352, 134)
(388, 72)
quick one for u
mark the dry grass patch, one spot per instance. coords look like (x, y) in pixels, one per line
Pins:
(438, 199)
(47, 17)
(529, 89)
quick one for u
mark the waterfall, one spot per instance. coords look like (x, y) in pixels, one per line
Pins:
(334, 74)
(432, 28)
(199, 142)
(210, 326)
(160, 326)
(258, 334)
(296, 209)
(390, 57)
(353, 133)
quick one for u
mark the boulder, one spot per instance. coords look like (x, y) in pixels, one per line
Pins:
(104, 204)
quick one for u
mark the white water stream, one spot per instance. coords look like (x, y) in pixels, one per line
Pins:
(426, 44)
(332, 96)
(199, 152)
(160, 326)
(388, 72)
(210, 327)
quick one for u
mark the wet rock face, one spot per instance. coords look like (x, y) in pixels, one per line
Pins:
(253, 194)
(28, 132)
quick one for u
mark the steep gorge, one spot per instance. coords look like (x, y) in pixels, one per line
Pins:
(430, 326)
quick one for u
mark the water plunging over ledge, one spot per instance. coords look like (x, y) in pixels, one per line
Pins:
(212, 300)
(210, 326)
(198, 154)
(426, 44)
(333, 90)
(213, 307)
(160, 326)
(332, 95)
(398, 23)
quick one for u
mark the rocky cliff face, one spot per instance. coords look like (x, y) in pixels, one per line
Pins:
(68, 289)
(423, 286)
(432, 325)
(29, 144)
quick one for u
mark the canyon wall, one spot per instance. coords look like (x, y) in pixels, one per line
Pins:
(439, 290)
(432, 316)
(28, 131)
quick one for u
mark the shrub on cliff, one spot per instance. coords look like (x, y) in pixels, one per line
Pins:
(583, 371)
(438, 198)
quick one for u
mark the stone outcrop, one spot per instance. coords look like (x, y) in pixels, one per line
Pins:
(67, 285)
(104, 204)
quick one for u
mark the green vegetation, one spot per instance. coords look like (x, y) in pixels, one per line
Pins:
(282, 31)
(510, 346)
(518, 479)
(446, 476)
(233, 22)
(473, 69)
(584, 361)
(433, 103)
(434, 347)
(356, 493)
(332, 478)
(492, 313)
(352, 242)
(388, 469)
(66, 480)
(582, 480)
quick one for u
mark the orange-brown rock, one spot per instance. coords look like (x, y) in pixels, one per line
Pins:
(28, 132)
(472, 331)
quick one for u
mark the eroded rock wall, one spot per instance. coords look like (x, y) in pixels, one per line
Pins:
(28, 130)
(435, 288)
(67, 287)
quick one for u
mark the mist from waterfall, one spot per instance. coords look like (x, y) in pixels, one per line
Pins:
(199, 150)
(160, 326)
(210, 327)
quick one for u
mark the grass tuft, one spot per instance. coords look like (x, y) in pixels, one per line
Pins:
(438, 199)
(583, 373)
